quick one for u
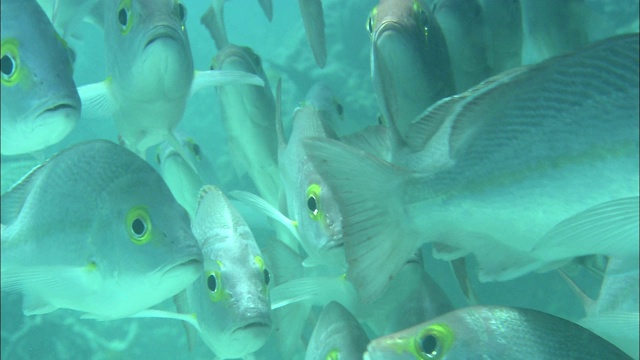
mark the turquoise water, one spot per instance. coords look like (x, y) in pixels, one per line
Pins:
(283, 47)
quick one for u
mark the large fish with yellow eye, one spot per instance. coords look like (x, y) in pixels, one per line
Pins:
(230, 298)
(248, 116)
(95, 229)
(526, 171)
(493, 332)
(150, 72)
(410, 65)
(337, 335)
(40, 103)
(309, 201)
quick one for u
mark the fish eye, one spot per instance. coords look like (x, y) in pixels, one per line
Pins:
(124, 16)
(421, 16)
(8, 66)
(333, 355)
(433, 342)
(267, 277)
(182, 12)
(339, 109)
(313, 201)
(10, 62)
(214, 285)
(371, 20)
(138, 225)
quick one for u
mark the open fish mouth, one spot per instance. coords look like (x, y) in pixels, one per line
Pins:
(59, 107)
(161, 33)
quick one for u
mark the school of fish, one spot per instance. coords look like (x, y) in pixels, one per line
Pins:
(489, 209)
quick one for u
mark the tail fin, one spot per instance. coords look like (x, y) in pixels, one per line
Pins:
(376, 237)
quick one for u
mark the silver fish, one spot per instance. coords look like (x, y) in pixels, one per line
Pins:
(337, 335)
(313, 20)
(248, 115)
(231, 297)
(410, 65)
(40, 104)
(213, 20)
(530, 153)
(150, 72)
(309, 201)
(95, 229)
(462, 23)
(493, 332)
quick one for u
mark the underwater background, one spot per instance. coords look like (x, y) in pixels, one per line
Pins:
(285, 54)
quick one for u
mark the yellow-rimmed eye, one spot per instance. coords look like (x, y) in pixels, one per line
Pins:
(313, 201)
(267, 275)
(138, 225)
(371, 21)
(214, 285)
(125, 20)
(182, 12)
(10, 62)
(433, 342)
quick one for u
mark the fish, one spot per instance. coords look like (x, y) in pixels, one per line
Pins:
(231, 296)
(614, 313)
(109, 240)
(150, 73)
(67, 15)
(410, 64)
(529, 153)
(213, 20)
(309, 201)
(183, 181)
(248, 116)
(462, 23)
(551, 28)
(337, 335)
(502, 34)
(40, 103)
(496, 332)
(313, 20)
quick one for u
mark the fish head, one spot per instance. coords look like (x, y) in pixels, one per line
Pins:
(153, 249)
(149, 53)
(432, 340)
(40, 103)
(232, 306)
(410, 67)
(231, 298)
(321, 222)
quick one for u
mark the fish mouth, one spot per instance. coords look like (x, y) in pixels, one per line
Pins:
(59, 107)
(161, 32)
(186, 265)
(254, 326)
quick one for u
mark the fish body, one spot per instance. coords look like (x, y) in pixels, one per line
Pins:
(150, 68)
(525, 159)
(109, 241)
(337, 333)
(40, 103)
(309, 201)
(494, 332)
(230, 298)
(66, 15)
(313, 20)
(248, 115)
(462, 23)
(410, 64)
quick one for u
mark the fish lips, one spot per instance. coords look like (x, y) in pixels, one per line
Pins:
(162, 33)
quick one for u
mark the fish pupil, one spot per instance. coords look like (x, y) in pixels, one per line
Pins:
(182, 11)
(312, 204)
(8, 66)
(212, 283)
(138, 227)
(340, 109)
(267, 276)
(428, 345)
(123, 17)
